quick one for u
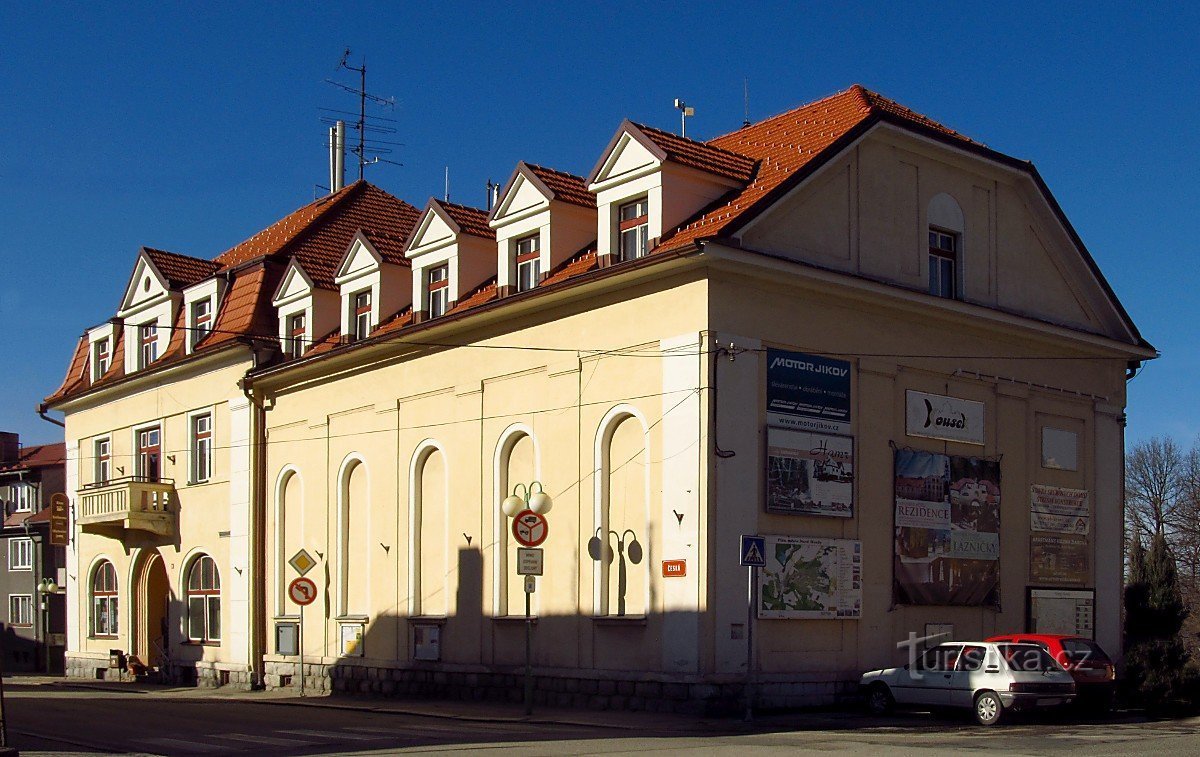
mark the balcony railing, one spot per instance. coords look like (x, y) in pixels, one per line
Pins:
(133, 503)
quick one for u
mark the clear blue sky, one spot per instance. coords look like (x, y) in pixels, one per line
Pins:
(189, 127)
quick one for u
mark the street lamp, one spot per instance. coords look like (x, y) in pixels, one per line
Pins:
(525, 498)
(46, 587)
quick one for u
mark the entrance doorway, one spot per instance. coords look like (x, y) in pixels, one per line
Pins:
(151, 611)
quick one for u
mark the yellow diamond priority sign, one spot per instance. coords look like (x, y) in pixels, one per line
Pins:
(302, 561)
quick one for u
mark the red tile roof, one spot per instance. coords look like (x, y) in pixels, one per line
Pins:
(38, 456)
(786, 144)
(485, 292)
(701, 155)
(566, 187)
(472, 221)
(181, 271)
(581, 262)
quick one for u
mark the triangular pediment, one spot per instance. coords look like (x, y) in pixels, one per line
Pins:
(361, 257)
(146, 285)
(629, 152)
(434, 228)
(294, 284)
(524, 193)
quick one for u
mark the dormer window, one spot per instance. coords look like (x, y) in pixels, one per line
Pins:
(101, 357)
(943, 264)
(148, 342)
(634, 228)
(438, 287)
(297, 335)
(201, 316)
(361, 315)
(529, 262)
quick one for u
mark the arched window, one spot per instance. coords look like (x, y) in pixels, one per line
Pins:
(428, 493)
(204, 600)
(104, 600)
(946, 226)
(516, 463)
(618, 543)
(289, 531)
(355, 538)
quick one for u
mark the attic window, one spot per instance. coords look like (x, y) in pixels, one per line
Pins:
(438, 288)
(361, 321)
(102, 358)
(529, 262)
(943, 263)
(634, 229)
(148, 341)
(297, 334)
(201, 321)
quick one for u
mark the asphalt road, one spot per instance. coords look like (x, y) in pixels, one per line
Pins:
(58, 720)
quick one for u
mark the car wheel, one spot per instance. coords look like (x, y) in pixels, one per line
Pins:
(879, 699)
(988, 708)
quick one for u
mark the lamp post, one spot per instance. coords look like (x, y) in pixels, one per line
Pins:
(525, 498)
(46, 588)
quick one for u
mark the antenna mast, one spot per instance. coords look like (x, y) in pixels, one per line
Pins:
(361, 125)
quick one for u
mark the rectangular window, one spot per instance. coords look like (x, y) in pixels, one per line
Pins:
(529, 262)
(148, 454)
(23, 496)
(20, 609)
(438, 286)
(20, 554)
(297, 334)
(634, 229)
(148, 339)
(102, 358)
(361, 315)
(201, 321)
(943, 264)
(201, 448)
(103, 460)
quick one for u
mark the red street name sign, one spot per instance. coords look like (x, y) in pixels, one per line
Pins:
(674, 568)
(60, 533)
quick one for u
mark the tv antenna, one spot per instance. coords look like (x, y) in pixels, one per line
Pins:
(684, 112)
(362, 126)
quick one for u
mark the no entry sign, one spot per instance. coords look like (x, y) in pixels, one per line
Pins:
(302, 591)
(530, 529)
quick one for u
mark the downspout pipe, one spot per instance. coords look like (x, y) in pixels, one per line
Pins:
(257, 537)
(41, 411)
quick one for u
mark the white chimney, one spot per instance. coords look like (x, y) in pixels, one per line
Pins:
(337, 156)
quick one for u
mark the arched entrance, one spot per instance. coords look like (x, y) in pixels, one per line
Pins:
(151, 601)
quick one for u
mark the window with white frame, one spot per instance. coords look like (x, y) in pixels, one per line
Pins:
(360, 314)
(437, 285)
(297, 334)
(529, 262)
(204, 600)
(633, 219)
(149, 451)
(101, 357)
(20, 609)
(20, 554)
(943, 263)
(104, 600)
(147, 343)
(201, 447)
(201, 321)
(103, 454)
(23, 497)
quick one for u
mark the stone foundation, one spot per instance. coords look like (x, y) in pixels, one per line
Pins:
(203, 674)
(601, 691)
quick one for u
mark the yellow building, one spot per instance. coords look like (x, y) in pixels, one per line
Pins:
(848, 329)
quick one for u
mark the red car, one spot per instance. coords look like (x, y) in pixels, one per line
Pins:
(1092, 669)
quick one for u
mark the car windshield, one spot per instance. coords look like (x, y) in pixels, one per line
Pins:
(1084, 650)
(1028, 658)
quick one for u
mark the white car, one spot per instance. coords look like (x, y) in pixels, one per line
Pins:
(988, 678)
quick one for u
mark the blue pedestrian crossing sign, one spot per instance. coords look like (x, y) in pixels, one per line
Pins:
(754, 551)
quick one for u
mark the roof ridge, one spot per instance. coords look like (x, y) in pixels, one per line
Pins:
(327, 202)
(697, 142)
(788, 112)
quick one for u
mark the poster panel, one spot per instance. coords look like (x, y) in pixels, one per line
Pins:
(810, 473)
(1061, 559)
(1059, 510)
(808, 392)
(937, 416)
(811, 578)
(947, 530)
(1062, 611)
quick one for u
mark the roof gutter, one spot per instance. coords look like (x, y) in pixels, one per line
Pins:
(41, 411)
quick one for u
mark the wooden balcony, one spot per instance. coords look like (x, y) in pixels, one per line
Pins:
(131, 504)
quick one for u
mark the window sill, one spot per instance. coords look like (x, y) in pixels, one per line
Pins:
(513, 620)
(113, 637)
(619, 620)
(427, 620)
(198, 643)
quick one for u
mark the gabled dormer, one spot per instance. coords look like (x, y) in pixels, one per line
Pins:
(200, 304)
(452, 250)
(306, 312)
(147, 310)
(541, 218)
(373, 281)
(648, 182)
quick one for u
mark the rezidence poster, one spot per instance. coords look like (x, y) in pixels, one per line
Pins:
(947, 530)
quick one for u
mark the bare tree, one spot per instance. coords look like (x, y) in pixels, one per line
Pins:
(1155, 474)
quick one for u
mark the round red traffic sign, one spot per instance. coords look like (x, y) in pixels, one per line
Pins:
(530, 529)
(302, 591)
